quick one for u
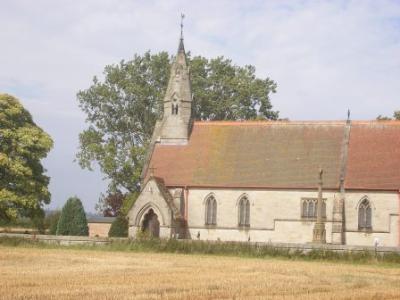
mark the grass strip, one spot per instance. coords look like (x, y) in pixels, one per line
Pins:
(216, 248)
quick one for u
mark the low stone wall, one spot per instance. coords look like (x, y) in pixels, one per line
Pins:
(330, 247)
(60, 239)
(74, 240)
(19, 230)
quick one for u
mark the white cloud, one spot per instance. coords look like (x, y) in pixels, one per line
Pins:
(326, 56)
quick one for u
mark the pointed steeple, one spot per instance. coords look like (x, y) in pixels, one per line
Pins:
(181, 47)
(177, 100)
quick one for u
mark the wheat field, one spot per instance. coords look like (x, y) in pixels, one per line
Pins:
(34, 273)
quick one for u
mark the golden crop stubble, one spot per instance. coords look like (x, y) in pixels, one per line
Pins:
(30, 273)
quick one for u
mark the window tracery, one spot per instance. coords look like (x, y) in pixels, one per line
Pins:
(365, 215)
(244, 211)
(211, 211)
(309, 208)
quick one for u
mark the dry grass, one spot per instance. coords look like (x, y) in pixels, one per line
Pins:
(33, 273)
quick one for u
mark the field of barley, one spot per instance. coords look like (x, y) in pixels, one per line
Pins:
(34, 273)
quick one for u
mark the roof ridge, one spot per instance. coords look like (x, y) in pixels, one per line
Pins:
(266, 122)
(310, 122)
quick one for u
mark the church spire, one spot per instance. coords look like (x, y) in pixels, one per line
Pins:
(178, 100)
(181, 47)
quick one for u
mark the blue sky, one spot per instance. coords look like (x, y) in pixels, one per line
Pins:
(326, 57)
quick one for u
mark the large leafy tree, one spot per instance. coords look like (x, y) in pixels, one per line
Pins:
(110, 205)
(23, 183)
(122, 108)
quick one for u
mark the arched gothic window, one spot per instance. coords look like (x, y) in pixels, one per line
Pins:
(364, 215)
(304, 209)
(309, 208)
(244, 212)
(211, 211)
(312, 212)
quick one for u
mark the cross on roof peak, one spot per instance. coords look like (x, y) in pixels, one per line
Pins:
(182, 17)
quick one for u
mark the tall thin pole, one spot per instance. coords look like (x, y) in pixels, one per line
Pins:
(319, 201)
(182, 17)
(319, 232)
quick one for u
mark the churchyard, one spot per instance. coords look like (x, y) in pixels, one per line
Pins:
(204, 183)
(28, 272)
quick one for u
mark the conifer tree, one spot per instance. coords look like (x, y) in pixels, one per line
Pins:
(73, 219)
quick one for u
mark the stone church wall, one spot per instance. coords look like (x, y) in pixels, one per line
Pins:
(150, 198)
(385, 219)
(275, 216)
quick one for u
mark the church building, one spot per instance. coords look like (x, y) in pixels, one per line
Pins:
(267, 181)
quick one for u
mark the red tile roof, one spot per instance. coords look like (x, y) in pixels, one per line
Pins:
(374, 156)
(282, 155)
(253, 154)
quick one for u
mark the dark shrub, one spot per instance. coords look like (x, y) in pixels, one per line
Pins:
(37, 220)
(119, 228)
(51, 221)
(73, 219)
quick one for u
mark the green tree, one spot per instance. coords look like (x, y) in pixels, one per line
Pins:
(383, 118)
(119, 227)
(23, 183)
(73, 219)
(123, 108)
(51, 221)
(129, 200)
(110, 205)
(38, 220)
(396, 116)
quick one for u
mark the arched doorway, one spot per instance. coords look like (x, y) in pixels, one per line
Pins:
(151, 224)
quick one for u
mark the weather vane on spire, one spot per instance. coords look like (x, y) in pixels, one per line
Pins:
(182, 17)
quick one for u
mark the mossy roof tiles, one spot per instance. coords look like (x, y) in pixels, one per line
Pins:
(374, 156)
(285, 155)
